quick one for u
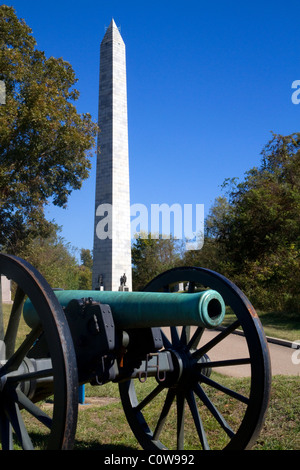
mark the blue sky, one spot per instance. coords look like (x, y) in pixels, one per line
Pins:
(207, 83)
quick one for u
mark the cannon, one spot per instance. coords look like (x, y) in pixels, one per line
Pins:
(159, 346)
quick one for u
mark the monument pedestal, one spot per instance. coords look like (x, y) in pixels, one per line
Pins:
(6, 290)
(123, 289)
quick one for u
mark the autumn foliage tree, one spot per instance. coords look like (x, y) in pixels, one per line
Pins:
(45, 144)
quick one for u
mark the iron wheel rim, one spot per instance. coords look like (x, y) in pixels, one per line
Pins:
(54, 325)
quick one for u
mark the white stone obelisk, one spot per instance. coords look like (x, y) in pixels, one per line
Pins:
(112, 237)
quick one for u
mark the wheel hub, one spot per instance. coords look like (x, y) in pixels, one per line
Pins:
(186, 370)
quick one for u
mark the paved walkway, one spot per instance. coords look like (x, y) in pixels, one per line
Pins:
(285, 360)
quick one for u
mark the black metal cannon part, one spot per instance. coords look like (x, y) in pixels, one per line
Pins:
(80, 344)
(103, 353)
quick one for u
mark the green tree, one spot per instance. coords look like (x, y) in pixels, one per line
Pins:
(85, 270)
(86, 258)
(45, 144)
(212, 254)
(152, 256)
(259, 233)
(266, 204)
(54, 258)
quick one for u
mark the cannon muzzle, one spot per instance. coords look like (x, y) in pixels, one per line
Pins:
(148, 309)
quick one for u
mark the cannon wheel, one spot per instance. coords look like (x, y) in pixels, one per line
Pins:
(17, 410)
(196, 399)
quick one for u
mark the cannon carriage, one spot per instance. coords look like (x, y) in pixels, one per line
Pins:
(54, 341)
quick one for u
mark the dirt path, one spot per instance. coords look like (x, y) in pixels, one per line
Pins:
(284, 360)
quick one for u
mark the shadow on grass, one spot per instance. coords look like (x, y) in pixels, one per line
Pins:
(96, 445)
(40, 443)
(281, 320)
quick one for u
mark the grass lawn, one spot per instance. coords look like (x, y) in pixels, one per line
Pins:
(102, 424)
(275, 324)
(281, 325)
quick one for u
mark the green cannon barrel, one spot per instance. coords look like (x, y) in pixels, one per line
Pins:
(148, 309)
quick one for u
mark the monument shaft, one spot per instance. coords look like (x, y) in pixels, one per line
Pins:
(112, 237)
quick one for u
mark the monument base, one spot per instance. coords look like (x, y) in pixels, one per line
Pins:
(6, 290)
(124, 289)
